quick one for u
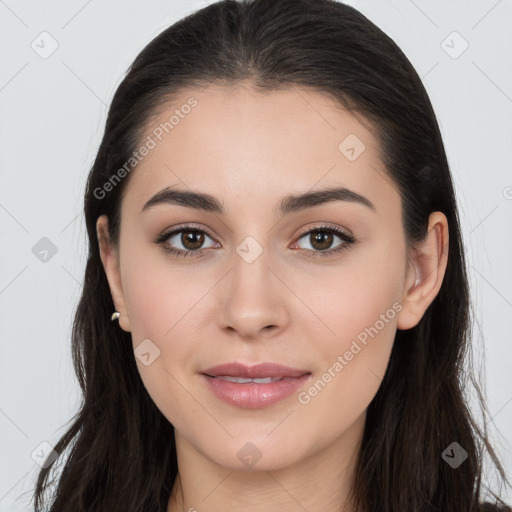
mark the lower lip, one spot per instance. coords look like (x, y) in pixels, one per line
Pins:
(252, 395)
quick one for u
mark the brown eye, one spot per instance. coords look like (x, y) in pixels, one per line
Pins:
(321, 240)
(192, 239)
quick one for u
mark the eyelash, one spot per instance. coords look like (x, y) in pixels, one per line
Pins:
(348, 241)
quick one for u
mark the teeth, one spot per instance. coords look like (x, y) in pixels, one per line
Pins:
(266, 380)
(242, 380)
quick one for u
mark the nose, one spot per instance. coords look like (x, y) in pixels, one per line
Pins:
(253, 299)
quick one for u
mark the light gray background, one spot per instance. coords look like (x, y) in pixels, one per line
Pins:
(52, 114)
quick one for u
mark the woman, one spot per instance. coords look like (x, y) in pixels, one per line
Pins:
(273, 228)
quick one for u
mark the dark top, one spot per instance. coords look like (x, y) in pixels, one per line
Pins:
(490, 507)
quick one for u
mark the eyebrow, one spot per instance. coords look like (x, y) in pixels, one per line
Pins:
(290, 204)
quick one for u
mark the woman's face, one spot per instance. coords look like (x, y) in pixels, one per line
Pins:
(260, 284)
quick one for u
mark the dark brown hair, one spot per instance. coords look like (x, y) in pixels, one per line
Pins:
(119, 451)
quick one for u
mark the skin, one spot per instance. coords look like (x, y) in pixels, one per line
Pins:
(250, 150)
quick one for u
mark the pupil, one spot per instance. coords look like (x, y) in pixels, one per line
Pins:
(188, 237)
(319, 237)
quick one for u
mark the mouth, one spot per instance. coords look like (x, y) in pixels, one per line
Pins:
(254, 387)
(242, 380)
(253, 373)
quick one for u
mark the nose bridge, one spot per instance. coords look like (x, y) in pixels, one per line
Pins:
(251, 268)
(252, 297)
(252, 249)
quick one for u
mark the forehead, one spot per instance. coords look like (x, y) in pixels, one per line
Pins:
(241, 143)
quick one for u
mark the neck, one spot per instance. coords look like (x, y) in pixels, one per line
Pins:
(318, 482)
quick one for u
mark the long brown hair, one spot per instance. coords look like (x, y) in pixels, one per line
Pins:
(119, 451)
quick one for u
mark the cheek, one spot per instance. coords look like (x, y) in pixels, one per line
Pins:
(164, 307)
(361, 295)
(360, 304)
(354, 363)
(162, 296)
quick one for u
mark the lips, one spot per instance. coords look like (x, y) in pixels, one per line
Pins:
(228, 371)
(253, 393)
(256, 386)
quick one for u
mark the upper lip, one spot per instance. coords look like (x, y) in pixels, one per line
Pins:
(257, 371)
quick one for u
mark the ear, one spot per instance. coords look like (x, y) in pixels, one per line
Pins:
(110, 259)
(425, 272)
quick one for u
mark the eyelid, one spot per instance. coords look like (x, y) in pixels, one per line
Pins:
(307, 229)
(326, 226)
(186, 226)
